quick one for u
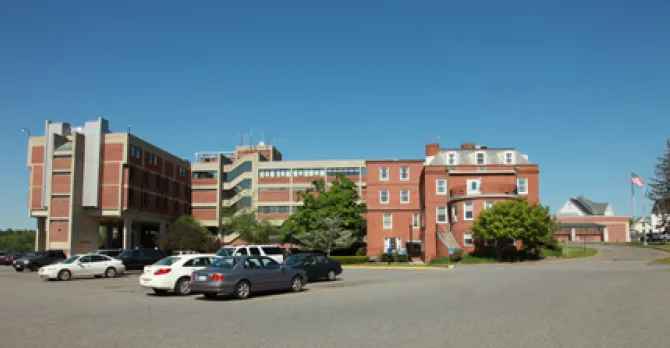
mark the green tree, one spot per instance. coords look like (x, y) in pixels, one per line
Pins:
(659, 186)
(341, 201)
(250, 229)
(332, 235)
(528, 222)
(186, 233)
(17, 240)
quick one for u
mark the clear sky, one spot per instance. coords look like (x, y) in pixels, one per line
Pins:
(581, 86)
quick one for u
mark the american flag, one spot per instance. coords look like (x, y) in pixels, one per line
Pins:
(635, 179)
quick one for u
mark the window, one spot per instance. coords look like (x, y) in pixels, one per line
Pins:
(182, 172)
(522, 186)
(488, 204)
(441, 186)
(384, 196)
(391, 242)
(253, 263)
(348, 171)
(468, 212)
(204, 174)
(198, 262)
(451, 158)
(441, 215)
(135, 152)
(274, 209)
(272, 251)
(383, 173)
(387, 221)
(416, 220)
(404, 173)
(480, 158)
(274, 173)
(254, 251)
(474, 186)
(241, 251)
(404, 196)
(153, 159)
(307, 172)
(467, 240)
(270, 263)
(509, 157)
(454, 213)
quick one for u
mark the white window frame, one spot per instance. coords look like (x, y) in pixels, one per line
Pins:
(511, 157)
(466, 210)
(388, 226)
(387, 243)
(381, 173)
(469, 187)
(401, 196)
(416, 220)
(488, 204)
(477, 158)
(449, 157)
(381, 196)
(454, 213)
(518, 186)
(465, 238)
(437, 214)
(401, 173)
(437, 187)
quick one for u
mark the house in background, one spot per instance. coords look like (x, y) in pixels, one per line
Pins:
(584, 220)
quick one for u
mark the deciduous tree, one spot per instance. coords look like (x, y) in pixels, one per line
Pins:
(186, 233)
(332, 235)
(250, 229)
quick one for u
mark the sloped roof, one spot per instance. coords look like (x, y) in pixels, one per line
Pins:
(467, 157)
(590, 207)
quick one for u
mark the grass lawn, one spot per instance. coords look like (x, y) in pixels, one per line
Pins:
(639, 244)
(665, 261)
(574, 252)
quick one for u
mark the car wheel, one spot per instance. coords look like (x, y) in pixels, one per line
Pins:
(19, 269)
(296, 284)
(64, 275)
(33, 267)
(160, 291)
(110, 272)
(210, 295)
(242, 290)
(183, 286)
(331, 275)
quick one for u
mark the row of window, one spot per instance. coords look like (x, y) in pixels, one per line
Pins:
(480, 158)
(385, 173)
(474, 186)
(277, 209)
(162, 184)
(307, 172)
(468, 212)
(385, 199)
(417, 221)
(136, 152)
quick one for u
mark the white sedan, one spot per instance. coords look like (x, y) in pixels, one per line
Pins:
(83, 266)
(173, 273)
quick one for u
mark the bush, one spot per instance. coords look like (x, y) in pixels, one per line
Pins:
(350, 260)
(457, 255)
(362, 251)
(384, 257)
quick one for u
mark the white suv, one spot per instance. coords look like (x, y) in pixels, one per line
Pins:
(271, 251)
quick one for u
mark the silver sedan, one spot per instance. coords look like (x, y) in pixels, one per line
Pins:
(241, 275)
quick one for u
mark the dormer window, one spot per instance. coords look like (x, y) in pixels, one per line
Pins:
(509, 157)
(451, 158)
(480, 158)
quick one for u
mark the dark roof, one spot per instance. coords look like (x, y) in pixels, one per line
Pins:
(580, 225)
(590, 207)
(394, 160)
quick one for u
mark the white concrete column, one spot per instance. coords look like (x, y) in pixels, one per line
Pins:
(573, 236)
(605, 235)
(41, 234)
(127, 234)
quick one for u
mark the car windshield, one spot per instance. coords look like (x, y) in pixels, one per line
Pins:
(127, 253)
(225, 262)
(34, 253)
(71, 259)
(295, 260)
(167, 261)
(225, 252)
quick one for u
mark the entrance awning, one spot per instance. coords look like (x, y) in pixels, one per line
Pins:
(580, 225)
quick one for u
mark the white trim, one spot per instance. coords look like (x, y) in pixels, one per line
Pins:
(388, 198)
(477, 156)
(454, 213)
(487, 205)
(466, 244)
(437, 214)
(401, 200)
(390, 224)
(455, 158)
(465, 211)
(469, 190)
(388, 173)
(408, 173)
(437, 185)
(518, 180)
(512, 157)
(416, 220)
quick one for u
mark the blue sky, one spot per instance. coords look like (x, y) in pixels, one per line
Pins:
(582, 87)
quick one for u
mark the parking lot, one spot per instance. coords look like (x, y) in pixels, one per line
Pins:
(609, 301)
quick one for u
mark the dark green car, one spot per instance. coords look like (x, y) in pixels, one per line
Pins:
(316, 265)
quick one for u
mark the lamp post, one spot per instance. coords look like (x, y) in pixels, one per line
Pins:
(26, 130)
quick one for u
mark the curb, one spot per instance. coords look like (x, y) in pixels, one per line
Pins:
(419, 268)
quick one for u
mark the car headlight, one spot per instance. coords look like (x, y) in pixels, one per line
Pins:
(25, 262)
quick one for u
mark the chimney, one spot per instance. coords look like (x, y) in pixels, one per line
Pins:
(468, 146)
(432, 149)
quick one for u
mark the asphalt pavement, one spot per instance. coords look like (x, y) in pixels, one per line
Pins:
(612, 300)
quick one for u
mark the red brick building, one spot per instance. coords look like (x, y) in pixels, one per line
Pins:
(583, 220)
(454, 186)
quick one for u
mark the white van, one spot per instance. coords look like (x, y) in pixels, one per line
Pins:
(276, 253)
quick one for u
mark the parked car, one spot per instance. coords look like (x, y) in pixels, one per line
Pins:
(36, 259)
(173, 273)
(272, 251)
(135, 260)
(108, 252)
(241, 276)
(316, 265)
(83, 266)
(9, 258)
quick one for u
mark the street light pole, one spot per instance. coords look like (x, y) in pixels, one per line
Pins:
(26, 130)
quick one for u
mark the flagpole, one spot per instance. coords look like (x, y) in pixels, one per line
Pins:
(632, 199)
(644, 217)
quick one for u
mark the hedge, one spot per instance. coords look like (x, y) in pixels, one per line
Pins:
(350, 260)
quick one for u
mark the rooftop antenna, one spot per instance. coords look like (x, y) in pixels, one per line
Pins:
(241, 134)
